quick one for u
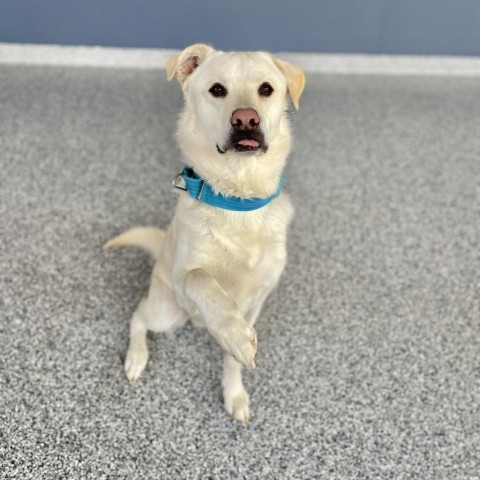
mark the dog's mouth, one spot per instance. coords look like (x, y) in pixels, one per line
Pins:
(247, 145)
(249, 142)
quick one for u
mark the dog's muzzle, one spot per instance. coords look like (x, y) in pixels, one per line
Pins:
(246, 135)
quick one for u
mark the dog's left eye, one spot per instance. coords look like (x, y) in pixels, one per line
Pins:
(218, 90)
(265, 89)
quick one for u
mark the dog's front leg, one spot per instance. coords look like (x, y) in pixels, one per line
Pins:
(235, 397)
(222, 316)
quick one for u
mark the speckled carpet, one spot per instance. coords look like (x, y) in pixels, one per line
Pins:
(369, 350)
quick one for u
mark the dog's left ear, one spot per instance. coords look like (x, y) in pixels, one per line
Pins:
(184, 64)
(295, 79)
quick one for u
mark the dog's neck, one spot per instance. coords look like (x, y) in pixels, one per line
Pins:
(240, 183)
(242, 176)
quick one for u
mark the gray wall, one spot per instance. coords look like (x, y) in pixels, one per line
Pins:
(370, 26)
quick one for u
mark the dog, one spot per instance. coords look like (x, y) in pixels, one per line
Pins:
(225, 248)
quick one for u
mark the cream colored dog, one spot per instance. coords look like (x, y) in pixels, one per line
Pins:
(213, 265)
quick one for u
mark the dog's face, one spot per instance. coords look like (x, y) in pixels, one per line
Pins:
(235, 110)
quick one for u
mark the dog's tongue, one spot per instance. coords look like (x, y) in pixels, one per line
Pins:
(249, 143)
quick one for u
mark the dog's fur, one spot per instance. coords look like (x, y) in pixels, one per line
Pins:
(217, 266)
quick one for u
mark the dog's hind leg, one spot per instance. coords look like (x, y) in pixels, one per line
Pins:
(137, 353)
(158, 312)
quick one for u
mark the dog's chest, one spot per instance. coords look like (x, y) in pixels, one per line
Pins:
(234, 247)
(243, 247)
(254, 249)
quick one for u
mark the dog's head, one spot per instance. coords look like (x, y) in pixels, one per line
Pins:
(234, 129)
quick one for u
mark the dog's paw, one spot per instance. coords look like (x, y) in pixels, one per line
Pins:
(135, 363)
(243, 346)
(239, 340)
(237, 406)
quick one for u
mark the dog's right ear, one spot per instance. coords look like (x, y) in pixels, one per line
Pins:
(184, 64)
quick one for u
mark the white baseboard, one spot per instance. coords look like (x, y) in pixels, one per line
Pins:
(80, 56)
(386, 64)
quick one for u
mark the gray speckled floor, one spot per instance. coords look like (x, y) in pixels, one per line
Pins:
(369, 350)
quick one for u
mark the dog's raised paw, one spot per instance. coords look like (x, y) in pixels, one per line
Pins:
(237, 406)
(240, 340)
(245, 349)
(135, 363)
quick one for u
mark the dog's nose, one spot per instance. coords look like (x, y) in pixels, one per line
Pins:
(245, 119)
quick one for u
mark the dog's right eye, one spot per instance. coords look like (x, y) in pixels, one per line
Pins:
(218, 90)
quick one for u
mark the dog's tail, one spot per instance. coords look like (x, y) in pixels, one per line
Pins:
(149, 238)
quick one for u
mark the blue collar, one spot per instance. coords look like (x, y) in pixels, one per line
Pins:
(201, 191)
